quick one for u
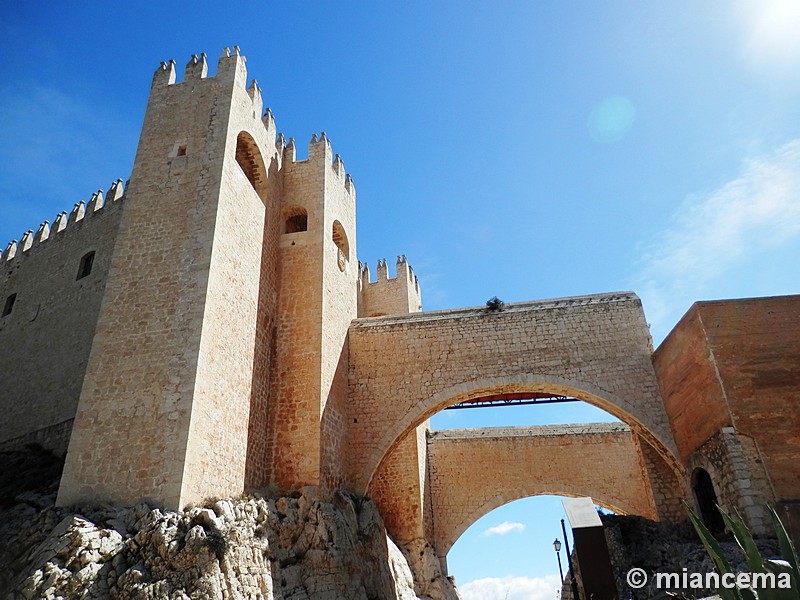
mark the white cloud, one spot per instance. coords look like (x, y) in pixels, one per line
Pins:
(512, 588)
(504, 528)
(712, 235)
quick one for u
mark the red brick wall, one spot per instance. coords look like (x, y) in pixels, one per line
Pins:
(689, 385)
(756, 344)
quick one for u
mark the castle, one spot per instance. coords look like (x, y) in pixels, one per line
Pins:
(207, 328)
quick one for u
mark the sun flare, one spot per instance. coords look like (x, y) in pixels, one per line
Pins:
(772, 31)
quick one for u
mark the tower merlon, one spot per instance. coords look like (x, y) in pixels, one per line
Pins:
(290, 152)
(269, 122)
(363, 274)
(116, 191)
(320, 148)
(165, 74)
(43, 233)
(96, 202)
(255, 97)
(60, 222)
(10, 251)
(27, 241)
(77, 213)
(196, 68)
(280, 144)
(382, 270)
(232, 63)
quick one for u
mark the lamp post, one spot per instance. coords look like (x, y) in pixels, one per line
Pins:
(573, 583)
(557, 548)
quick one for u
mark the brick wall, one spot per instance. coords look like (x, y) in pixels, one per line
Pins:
(690, 385)
(756, 348)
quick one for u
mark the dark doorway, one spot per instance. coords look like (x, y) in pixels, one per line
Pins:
(707, 501)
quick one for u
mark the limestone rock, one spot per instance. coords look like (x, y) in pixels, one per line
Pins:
(297, 547)
(429, 581)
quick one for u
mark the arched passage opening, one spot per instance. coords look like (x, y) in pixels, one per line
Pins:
(706, 497)
(450, 478)
(249, 159)
(530, 385)
(509, 552)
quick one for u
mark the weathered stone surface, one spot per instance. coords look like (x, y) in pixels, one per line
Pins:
(299, 547)
(664, 548)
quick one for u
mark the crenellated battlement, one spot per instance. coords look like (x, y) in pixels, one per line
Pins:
(388, 295)
(231, 73)
(320, 152)
(402, 270)
(197, 68)
(63, 222)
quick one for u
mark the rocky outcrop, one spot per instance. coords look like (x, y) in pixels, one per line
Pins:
(297, 547)
(429, 581)
(664, 547)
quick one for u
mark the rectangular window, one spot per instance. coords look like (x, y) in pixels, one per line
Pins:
(85, 267)
(9, 305)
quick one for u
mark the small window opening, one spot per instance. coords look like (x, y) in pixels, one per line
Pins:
(9, 305)
(297, 223)
(182, 150)
(296, 219)
(85, 267)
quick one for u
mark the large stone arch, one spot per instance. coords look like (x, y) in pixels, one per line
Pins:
(405, 368)
(472, 472)
(523, 383)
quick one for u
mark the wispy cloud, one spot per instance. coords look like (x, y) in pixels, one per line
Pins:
(712, 235)
(511, 588)
(504, 528)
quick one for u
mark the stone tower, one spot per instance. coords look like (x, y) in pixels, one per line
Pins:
(317, 302)
(170, 379)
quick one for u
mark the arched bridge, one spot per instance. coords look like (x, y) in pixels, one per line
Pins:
(404, 369)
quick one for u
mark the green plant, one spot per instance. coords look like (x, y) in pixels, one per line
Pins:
(781, 570)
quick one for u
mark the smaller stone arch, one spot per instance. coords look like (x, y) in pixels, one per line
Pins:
(249, 159)
(472, 472)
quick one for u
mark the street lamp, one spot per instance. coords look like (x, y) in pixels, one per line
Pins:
(557, 548)
(573, 583)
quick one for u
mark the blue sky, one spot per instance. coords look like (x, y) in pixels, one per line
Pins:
(519, 149)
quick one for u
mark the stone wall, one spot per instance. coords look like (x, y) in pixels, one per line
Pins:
(690, 385)
(474, 471)
(738, 477)
(46, 338)
(401, 491)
